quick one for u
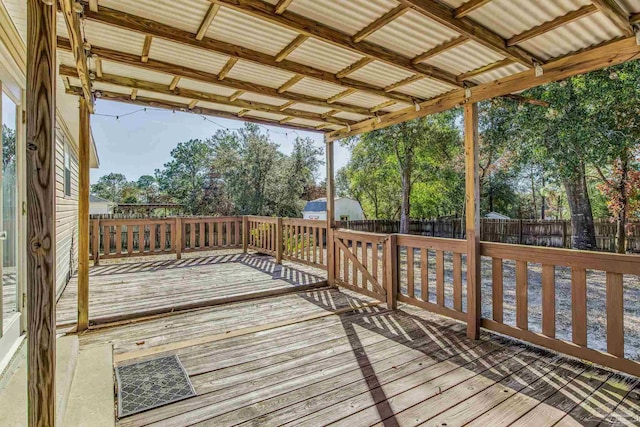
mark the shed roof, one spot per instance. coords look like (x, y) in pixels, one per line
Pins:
(96, 199)
(340, 67)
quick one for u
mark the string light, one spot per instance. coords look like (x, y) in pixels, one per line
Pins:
(205, 118)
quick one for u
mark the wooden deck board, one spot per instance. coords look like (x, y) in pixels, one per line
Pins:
(136, 289)
(339, 361)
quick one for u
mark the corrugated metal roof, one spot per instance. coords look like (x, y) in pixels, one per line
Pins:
(248, 96)
(261, 74)
(425, 88)
(109, 67)
(362, 99)
(315, 206)
(112, 37)
(380, 74)
(186, 56)
(324, 56)
(185, 15)
(412, 34)
(205, 87)
(465, 57)
(245, 30)
(317, 88)
(347, 16)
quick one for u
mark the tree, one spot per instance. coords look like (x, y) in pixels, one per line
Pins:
(116, 188)
(8, 146)
(148, 187)
(186, 176)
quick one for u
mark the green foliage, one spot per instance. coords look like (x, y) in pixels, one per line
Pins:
(116, 188)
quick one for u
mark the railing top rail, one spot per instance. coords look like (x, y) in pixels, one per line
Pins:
(267, 219)
(306, 222)
(198, 219)
(136, 221)
(602, 261)
(360, 235)
(436, 243)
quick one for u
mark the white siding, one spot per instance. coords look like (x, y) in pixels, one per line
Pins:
(66, 217)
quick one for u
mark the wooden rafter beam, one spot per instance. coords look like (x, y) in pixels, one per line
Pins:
(235, 95)
(174, 83)
(206, 77)
(227, 68)
(98, 62)
(281, 6)
(286, 105)
(72, 19)
(193, 104)
(484, 69)
(361, 63)
(612, 10)
(341, 95)
(295, 43)
(303, 25)
(553, 24)
(468, 7)
(156, 29)
(290, 83)
(134, 93)
(242, 113)
(146, 48)
(445, 15)
(382, 106)
(392, 15)
(440, 49)
(161, 89)
(606, 55)
(93, 5)
(178, 106)
(207, 20)
(404, 82)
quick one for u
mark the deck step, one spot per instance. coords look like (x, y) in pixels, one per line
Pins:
(13, 395)
(91, 401)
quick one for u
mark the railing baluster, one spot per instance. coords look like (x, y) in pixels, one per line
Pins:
(236, 226)
(374, 261)
(152, 237)
(440, 277)
(424, 274)
(106, 236)
(410, 281)
(129, 239)
(497, 288)
(457, 281)
(549, 300)
(322, 235)
(118, 238)
(579, 306)
(345, 261)
(615, 314)
(141, 238)
(201, 227)
(522, 297)
(163, 237)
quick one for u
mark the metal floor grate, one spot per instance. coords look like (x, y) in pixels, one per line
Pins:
(150, 384)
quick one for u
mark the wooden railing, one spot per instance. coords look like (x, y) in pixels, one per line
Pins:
(305, 241)
(360, 262)
(209, 233)
(612, 267)
(415, 283)
(262, 234)
(117, 238)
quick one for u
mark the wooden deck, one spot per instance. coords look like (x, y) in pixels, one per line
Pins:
(120, 290)
(314, 358)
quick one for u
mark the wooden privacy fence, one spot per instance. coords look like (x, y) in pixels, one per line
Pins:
(549, 233)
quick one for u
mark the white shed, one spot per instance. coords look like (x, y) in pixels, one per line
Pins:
(345, 209)
(98, 205)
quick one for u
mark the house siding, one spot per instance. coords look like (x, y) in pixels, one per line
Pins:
(66, 216)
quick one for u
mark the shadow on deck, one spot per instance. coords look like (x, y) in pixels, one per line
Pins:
(128, 290)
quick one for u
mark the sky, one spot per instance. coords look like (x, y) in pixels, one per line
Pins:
(138, 144)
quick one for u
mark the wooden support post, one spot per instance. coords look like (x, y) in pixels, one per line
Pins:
(83, 215)
(472, 209)
(331, 223)
(96, 242)
(279, 242)
(41, 209)
(245, 234)
(178, 238)
(391, 271)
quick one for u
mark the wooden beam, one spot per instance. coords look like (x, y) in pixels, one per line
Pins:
(134, 93)
(98, 62)
(208, 19)
(303, 25)
(484, 69)
(206, 77)
(440, 49)
(72, 19)
(192, 104)
(233, 100)
(606, 55)
(242, 113)
(295, 43)
(553, 24)
(635, 18)
(331, 223)
(93, 5)
(84, 166)
(174, 83)
(41, 212)
(178, 106)
(281, 6)
(354, 67)
(465, 26)
(235, 95)
(146, 26)
(393, 14)
(340, 95)
(612, 10)
(468, 7)
(286, 119)
(382, 106)
(289, 83)
(227, 68)
(286, 105)
(146, 48)
(403, 82)
(472, 209)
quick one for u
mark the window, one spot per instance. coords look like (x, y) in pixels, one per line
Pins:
(67, 171)
(344, 217)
